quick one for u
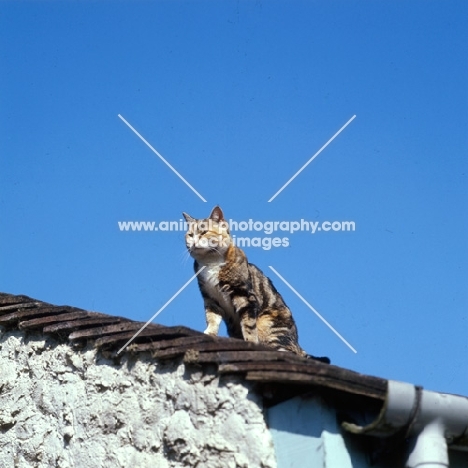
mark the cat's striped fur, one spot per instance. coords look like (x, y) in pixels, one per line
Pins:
(235, 290)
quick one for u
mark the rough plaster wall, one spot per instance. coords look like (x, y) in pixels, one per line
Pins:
(61, 407)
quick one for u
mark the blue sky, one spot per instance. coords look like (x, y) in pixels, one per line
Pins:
(237, 96)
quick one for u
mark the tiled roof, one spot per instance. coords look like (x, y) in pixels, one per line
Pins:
(281, 373)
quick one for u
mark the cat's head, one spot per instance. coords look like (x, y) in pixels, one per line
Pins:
(208, 239)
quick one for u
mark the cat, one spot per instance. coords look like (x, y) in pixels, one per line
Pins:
(236, 291)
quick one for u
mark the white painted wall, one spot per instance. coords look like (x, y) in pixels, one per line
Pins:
(61, 407)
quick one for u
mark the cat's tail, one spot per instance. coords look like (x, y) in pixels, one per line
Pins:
(323, 359)
(301, 352)
(295, 348)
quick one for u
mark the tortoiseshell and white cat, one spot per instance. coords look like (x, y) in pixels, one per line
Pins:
(236, 291)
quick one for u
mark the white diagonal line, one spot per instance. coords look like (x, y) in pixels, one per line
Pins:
(160, 310)
(314, 311)
(312, 158)
(161, 157)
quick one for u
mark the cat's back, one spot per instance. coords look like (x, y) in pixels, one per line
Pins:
(265, 291)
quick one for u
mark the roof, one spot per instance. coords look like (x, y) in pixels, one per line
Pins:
(280, 375)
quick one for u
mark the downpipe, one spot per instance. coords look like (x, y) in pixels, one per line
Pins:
(432, 421)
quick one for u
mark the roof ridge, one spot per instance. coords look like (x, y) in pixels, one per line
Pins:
(255, 362)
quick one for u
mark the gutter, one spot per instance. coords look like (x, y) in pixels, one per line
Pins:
(433, 421)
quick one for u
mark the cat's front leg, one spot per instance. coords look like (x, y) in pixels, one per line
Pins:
(247, 310)
(213, 320)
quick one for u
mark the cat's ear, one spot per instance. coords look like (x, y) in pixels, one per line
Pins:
(188, 218)
(217, 214)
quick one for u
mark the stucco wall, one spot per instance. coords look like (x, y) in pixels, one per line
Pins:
(61, 407)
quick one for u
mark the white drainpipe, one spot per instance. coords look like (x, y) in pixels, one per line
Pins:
(430, 449)
(434, 420)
